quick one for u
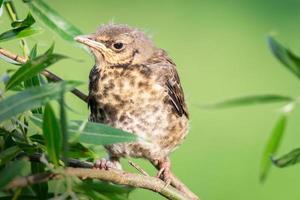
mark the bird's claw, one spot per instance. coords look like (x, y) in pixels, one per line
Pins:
(164, 173)
(104, 164)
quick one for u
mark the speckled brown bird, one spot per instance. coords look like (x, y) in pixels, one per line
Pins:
(134, 86)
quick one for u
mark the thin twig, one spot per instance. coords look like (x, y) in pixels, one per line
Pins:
(46, 73)
(137, 167)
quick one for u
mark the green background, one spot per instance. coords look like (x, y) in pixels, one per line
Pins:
(220, 50)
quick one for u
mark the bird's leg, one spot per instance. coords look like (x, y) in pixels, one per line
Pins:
(108, 163)
(164, 169)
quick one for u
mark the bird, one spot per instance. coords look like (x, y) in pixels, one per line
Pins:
(134, 86)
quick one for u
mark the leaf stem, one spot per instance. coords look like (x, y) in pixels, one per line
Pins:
(12, 12)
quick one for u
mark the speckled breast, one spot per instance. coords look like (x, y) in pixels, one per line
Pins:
(130, 98)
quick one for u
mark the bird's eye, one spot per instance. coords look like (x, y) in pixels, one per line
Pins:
(118, 45)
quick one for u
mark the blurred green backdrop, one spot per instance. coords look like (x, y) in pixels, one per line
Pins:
(220, 50)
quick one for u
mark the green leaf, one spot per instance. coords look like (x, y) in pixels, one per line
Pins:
(250, 100)
(1, 7)
(63, 126)
(38, 138)
(19, 33)
(285, 56)
(272, 146)
(99, 134)
(36, 80)
(28, 21)
(52, 134)
(93, 133)
(33, 67)
(33, 98)
(78, 150)
(288, 159)
(10, 172)
(1, 4)
(33, 52)
(9, 154)
(54, 20)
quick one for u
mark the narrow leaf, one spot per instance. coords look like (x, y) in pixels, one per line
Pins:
(33, 98)
(10, 172)
(31, 69)
(1, 7)
(33, 52)
(272, 146)
(54, 20)
(52, 134)
(285, 56)
(288, 159)
(19, 33)
(250, 100)
(93, 133)
(9, 154)
(100, 134)
(36, 80)
(78, 150)
(28, 21)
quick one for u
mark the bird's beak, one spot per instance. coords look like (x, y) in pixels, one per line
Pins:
(90, 42)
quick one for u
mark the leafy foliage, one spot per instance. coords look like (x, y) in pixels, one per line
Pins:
(285, 56)
(27, 22)
(11, 171)
(30, 124)
(21, 29)
(93, 133)
(33, 67)
(52, 134)
(19, 33)
(292, 62)
(288, 159)
(53, 20)
(32, 98)
(272, 146)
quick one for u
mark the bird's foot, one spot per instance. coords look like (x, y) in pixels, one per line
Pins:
(164, 172)
(107, 164)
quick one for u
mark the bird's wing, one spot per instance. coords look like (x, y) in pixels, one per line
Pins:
(175, 93)
(169, 79)
(95, 114)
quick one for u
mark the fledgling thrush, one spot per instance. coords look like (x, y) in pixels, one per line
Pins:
(134, 86)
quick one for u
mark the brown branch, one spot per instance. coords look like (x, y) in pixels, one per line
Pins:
(114, 176)
(176, 183)
(127, 179)
(46, 73)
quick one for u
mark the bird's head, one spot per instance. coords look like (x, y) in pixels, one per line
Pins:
(118, 45)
